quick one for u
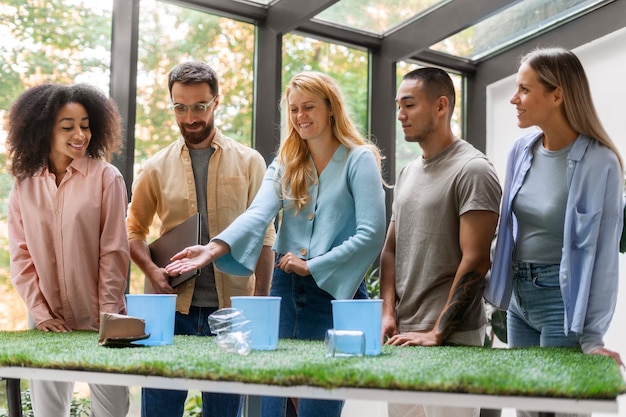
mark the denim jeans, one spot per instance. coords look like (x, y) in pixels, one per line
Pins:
(536, 314)
(171, 403)
(306, 314)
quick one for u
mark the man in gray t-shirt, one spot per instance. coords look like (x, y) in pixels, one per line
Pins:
(444, 217)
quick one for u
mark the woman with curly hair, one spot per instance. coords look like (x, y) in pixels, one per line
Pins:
(327, 182)
(67, 232)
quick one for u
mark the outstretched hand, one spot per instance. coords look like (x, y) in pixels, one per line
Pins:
(188, 259)
(196, 257)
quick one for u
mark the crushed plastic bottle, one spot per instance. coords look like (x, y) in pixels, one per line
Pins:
(232, 330)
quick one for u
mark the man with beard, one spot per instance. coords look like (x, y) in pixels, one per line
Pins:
(437, 249)
(203, 172)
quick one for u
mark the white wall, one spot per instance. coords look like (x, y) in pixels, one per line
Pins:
(605, 63)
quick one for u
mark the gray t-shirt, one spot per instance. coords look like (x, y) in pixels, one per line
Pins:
(430, 196)
(204, 294)
(539, 207)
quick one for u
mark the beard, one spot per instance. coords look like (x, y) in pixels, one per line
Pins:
(196, 138)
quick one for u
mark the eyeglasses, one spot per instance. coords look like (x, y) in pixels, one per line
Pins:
(198, 109)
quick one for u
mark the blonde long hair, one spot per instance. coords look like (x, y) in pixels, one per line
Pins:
(559, 67)
(294, 155)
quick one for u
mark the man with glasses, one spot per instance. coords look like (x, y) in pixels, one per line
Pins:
(202, 172)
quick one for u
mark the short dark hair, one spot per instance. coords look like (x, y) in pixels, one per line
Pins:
(435, 83)
(194, 72)
(32, 116)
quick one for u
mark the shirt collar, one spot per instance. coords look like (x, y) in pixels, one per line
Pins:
(579, 148)
(80, 165)
(575, 154)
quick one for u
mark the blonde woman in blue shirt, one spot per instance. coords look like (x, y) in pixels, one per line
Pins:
(327, 181)
(556, 258)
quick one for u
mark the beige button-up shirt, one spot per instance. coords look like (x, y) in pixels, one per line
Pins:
(165, 186)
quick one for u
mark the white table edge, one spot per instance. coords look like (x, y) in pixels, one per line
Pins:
(545, 404)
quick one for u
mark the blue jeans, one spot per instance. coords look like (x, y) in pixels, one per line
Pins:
(305, 314)
(536, 315)
(171, 403)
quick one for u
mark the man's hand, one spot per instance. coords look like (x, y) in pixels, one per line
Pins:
(159, 281)
(414, 339)
(156, 277)
(390, 328)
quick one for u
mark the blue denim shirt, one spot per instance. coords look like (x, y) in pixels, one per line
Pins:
(589, 268)
(339, 232)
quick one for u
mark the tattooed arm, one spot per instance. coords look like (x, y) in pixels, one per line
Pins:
(477, 229)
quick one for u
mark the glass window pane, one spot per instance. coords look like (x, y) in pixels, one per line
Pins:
(39, 46)
(348, 66)
(168, 35)
(515, 24)
(407, 151)
(375, 16)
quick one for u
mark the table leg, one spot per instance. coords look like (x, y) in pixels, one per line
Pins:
(252, 406)
(14, 398)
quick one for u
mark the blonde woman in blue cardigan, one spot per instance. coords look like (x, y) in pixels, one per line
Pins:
(327, 182)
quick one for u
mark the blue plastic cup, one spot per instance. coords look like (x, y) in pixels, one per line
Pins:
(264, 316)
(158, 311)
(363, 315)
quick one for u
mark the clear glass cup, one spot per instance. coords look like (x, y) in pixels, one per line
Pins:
(344, 343)
(232, 330)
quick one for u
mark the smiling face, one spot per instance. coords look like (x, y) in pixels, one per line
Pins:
(416, 112)
(70, 136)
(196, 130)
(309, 115)
(535, 105)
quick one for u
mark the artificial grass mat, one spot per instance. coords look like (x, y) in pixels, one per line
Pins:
(534, 372)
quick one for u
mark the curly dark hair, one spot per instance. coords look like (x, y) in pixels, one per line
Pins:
(31, 118)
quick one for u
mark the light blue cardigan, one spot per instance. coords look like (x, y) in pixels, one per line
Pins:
(589, 270)
(340, 232)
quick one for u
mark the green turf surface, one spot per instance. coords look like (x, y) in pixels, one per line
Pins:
(562, 373)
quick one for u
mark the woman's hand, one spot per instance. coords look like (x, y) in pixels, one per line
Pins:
(196, 257)
(291, 263)
(53, 325)
(609, 353)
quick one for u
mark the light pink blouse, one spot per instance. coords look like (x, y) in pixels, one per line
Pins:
(68, 245)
